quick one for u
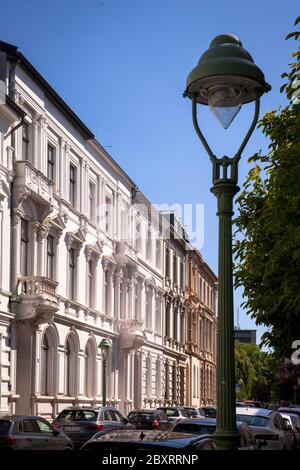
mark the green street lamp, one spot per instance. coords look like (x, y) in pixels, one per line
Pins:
(104, 345)
(225, 78)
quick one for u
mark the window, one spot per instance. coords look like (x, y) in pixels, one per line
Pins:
(168, 313)
(106, 292)
(158, 314)
(90, 283)
(45, 365)
(92, 200)
(44, 427)
(24, 248)
(72, 189)
(167, 262)
(175, 269)
(71, 354)
(182, 286)
(50, 257)
(149, 309)
(72, 274)
(50, 162)
(158, 253)
(108, 215)
(138, 236)
(25, 141)
(90, 367)
(149, 246)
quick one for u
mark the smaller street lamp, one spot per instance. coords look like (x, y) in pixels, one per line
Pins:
(104, 346)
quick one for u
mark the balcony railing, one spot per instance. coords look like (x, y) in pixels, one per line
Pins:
(131, 333)
(125, 251)
(36, 297)
(30, 179)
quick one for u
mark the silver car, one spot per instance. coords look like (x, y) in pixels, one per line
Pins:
(18, 432)
(81, 423)
(267, 425)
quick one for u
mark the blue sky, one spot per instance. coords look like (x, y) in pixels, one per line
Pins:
(122, 64)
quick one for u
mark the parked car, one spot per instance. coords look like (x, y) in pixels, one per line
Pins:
(208, 411)
(192, 412)
(254, 403)
(81, 423)
(289, 409)
(239, 404)
(208, 426)
(267, 425)
(31, 433)
(292, 424)
(149, 419)
(174, 413)
(157, 442)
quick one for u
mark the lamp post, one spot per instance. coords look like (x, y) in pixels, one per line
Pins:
(104, 347)
(225, 79)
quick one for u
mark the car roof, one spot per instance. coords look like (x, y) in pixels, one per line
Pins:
(263, 412)
(19, 417)
(205, 422)
(88, 408)
(288, 409)
(144, 410)
(134, 436)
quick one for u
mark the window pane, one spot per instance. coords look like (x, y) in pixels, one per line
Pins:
(50, 163)
(25, 140)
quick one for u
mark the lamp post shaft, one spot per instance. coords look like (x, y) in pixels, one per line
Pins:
(226, 433)
(104, 383)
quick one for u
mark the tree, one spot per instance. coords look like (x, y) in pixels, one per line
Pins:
(267, 242)
(253, 371)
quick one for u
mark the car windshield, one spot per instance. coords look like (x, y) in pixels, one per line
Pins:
(77, 415)
(4, 426)
(171, 412)
(191, 411)
(253, 420)
(143, 416)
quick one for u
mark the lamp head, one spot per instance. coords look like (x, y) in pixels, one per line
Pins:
(104, 345)
(225, 78)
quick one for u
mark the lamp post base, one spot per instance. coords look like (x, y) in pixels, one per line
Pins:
(226, 440)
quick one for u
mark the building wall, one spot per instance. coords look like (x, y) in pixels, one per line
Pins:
(201, 331)
(83, 258)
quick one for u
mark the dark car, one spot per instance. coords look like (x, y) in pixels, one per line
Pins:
(208, 426)
(149, 419)
(208, 411)
(149, 442)
(174, 413)
(80, 424)
(31, 433)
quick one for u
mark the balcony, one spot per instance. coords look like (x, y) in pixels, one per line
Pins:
(125, 252)
(132, 335)
(36, 298)
(30, 182)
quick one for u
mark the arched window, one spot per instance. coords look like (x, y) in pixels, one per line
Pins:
(45, 366)
(48, 363)
(71, 353)
(90, 369)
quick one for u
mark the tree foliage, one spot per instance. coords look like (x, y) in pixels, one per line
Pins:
(267, 244)
(252, 367)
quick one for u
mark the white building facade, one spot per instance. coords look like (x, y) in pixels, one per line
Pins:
(83, 256)
(72, 271)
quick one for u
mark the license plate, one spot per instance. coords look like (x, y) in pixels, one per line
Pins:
(72, 428)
